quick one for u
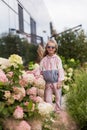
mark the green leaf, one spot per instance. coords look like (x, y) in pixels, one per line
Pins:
(1, 83)
(5, 112)
(30, 105)
(1, 128)
(1, 106)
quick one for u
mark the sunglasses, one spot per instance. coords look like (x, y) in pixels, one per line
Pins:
(52, 47)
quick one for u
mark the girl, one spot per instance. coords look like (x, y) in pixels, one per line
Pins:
(53, 73)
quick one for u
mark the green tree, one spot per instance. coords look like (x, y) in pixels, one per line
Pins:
(73, 45)
(13, 44)
(9, 45)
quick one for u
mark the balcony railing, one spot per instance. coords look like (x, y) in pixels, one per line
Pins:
(32, 38)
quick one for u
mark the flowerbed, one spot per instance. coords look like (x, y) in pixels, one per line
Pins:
(19, 92)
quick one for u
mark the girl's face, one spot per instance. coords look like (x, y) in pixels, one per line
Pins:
(51, 48)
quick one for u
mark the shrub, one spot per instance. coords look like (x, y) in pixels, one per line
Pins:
(13, 44)
(69, 66)
(73, 45)
(77, 99)
(19, 98)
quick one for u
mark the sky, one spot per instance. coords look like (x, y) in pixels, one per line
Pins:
(67, 14)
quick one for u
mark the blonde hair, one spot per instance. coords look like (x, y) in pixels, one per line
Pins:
(40, 52)
(56, 47)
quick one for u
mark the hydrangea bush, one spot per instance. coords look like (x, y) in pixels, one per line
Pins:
(69, 73)
(70, 65)
(18, 91)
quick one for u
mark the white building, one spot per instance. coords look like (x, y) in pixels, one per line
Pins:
(30, 18)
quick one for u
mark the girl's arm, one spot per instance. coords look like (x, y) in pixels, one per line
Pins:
(60, 74)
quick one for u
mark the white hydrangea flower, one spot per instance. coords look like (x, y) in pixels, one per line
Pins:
(66, 87)
(70, 70)
(45, 108)
(36, 66)
(4, 63)
(70, 74)
(15, 60)
(65, 78)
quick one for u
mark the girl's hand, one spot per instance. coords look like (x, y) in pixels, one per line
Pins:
(59, 84)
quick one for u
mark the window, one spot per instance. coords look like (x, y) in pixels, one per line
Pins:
(33, 30)
(21, 22)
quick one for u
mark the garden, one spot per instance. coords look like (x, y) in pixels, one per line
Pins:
(22, 106)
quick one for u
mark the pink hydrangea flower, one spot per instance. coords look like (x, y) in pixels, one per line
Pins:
(36, 72)
(18, 113)
(33, 98)
(39, 99)
(23, 82)
(36, 99)
(24, 126)
(26, 103)
(3, 77)
(32, 91)
(19, 93)
(28, 77)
